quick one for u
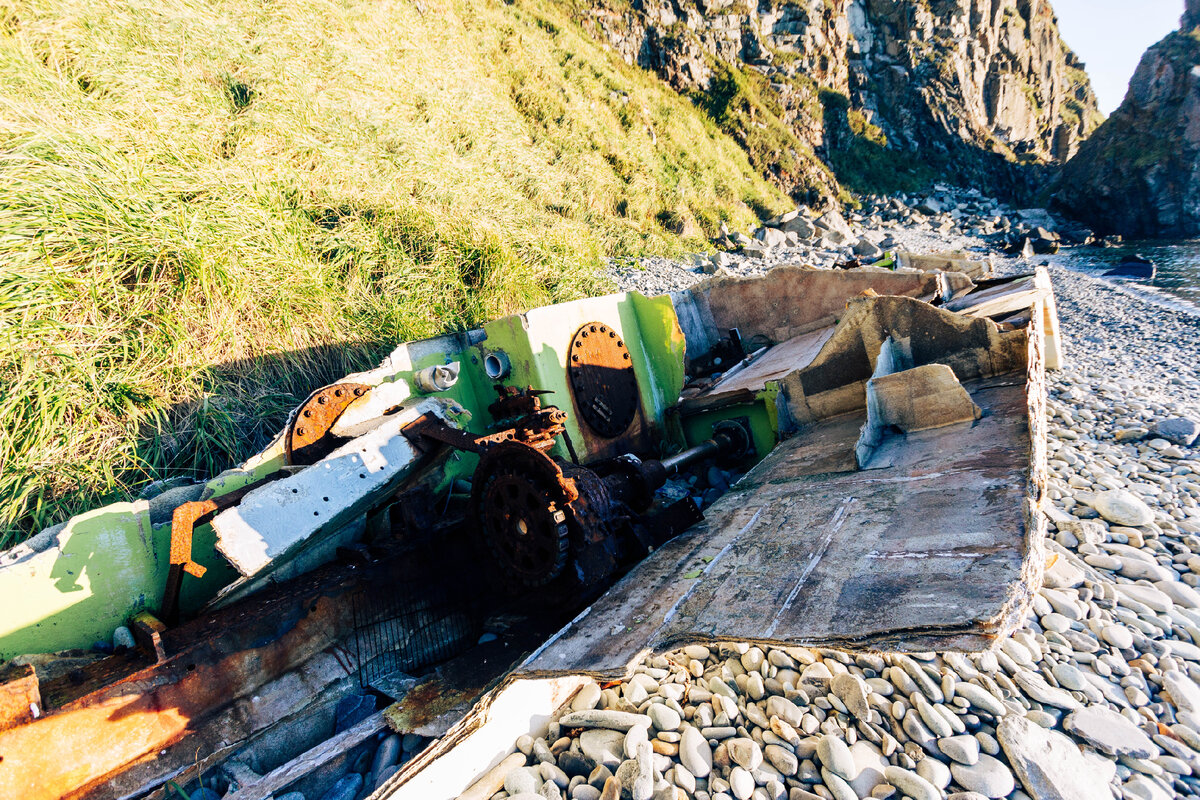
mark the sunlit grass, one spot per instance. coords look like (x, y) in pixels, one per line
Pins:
(207, 209)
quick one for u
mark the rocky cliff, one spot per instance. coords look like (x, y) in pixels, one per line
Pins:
(876, 94)
(1139, 175)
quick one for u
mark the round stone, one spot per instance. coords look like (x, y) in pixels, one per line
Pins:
(694, 753)
(911, 784)
(605, 746)
(964, 749)
(1122, 507)
(835, 755)
(782, 759)
(1118, 636)
(988, 776)
(663, 717)
(934, 771)
(741, 783)
(745, 753)
(522, 779)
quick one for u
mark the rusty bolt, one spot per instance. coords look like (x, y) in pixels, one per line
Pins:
(299, 431)
(358, 392)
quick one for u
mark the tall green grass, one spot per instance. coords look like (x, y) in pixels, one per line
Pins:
(207, 209)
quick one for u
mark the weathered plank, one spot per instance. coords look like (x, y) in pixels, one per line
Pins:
(924, 549)
(307, 762)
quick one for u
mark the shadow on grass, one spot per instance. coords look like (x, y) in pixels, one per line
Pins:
(239, 407)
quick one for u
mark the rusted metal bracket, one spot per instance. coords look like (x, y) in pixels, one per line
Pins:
(183, 523)
(536, 427)
(307, 439)
(147, 632)
(433, 427)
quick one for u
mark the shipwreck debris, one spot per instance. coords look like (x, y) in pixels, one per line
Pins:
(853, 402)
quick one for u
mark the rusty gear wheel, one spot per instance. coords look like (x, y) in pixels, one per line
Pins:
(520, 498)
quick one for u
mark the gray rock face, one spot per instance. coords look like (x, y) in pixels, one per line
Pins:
(771, 237)
(1049, 765)
(974, 80)
(1139, 173)
(867, 250)
(800, 226)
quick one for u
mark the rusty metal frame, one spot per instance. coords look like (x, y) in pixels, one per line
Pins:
(184, 521)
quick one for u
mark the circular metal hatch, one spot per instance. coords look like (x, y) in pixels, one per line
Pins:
(601, 375)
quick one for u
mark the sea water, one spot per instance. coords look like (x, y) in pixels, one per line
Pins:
(1176, 284)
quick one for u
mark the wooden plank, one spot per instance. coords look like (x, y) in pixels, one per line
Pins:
(306, 763)
(796, 353)
(20, 695)
(924, 549)
(215, 660)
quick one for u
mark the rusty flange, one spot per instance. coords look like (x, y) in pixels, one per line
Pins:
(602, 380)
(307, 439)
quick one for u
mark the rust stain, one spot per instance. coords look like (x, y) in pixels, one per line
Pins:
(214, 661)
(307, 440)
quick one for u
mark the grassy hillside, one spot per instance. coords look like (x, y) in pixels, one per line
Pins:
(209, 208)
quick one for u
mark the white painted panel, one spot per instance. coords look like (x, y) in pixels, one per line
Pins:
(278, 518)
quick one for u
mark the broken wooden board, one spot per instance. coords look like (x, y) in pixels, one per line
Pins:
(273, 522)
(480, 740)
(836, 560)
(126, 710)
(952, 261)
(784, 303)
(796, 353)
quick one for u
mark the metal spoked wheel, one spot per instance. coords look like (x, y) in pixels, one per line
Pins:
(520, 502)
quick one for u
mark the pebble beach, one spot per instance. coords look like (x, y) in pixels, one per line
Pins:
(1096, 696)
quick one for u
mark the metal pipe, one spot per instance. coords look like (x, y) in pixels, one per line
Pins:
(680, 461)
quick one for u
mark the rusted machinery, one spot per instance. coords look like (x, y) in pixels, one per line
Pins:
(542, 517)
(542, 455)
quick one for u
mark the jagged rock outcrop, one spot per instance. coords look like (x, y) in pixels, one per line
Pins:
(1139, 175)
(984, 91)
